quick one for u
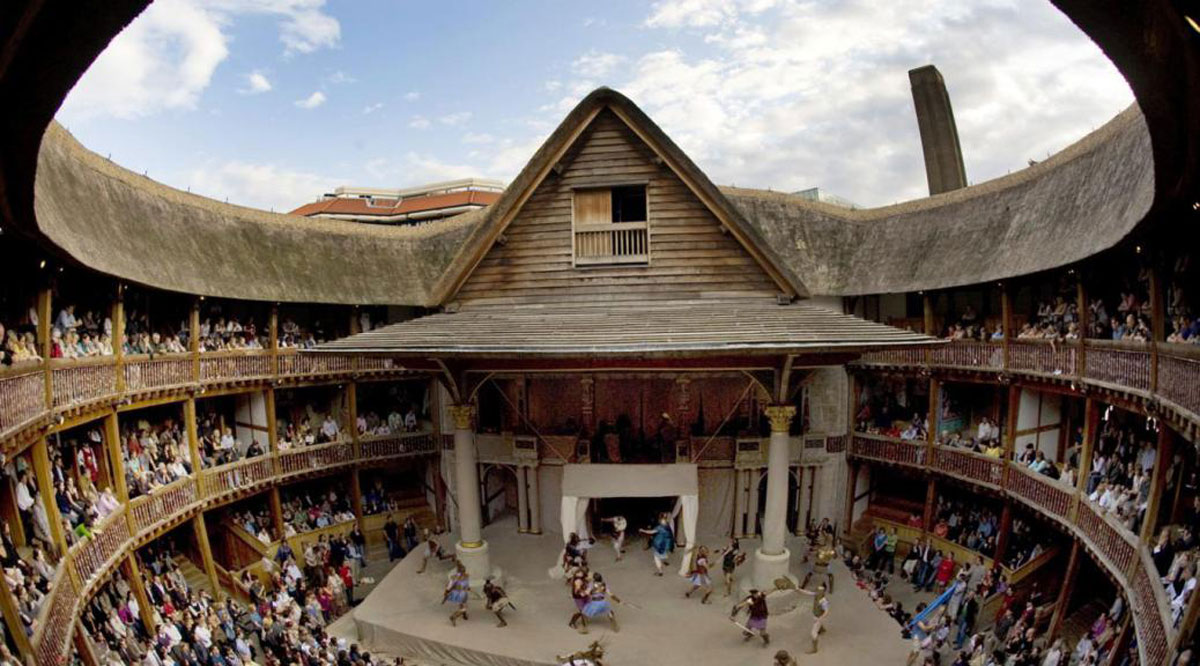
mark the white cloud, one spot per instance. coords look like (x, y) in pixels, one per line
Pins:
(476, 138)
(596, 64)
(340, 78)
(265, 186)
(312, 101)
(793, 95)
(419, 122)
(455, 118)
(256, 82)
(372, 108)
(412, 96)
(166, 58)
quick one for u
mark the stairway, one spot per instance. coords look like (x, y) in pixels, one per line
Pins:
(194, 575)
(1079, 621)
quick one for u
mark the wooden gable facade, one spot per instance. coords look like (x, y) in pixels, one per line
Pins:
(681, 252)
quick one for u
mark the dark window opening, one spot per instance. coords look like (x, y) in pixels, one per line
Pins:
(629, 203)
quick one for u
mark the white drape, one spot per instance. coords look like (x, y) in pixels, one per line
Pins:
(690, 505)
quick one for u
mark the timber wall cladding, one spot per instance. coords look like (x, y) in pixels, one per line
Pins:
(689, 255)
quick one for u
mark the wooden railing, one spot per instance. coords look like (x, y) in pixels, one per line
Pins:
(90, 561)
(1042, 358)
(888, 449)
(22, 396)
(292, 362)
(968, 465)
(611, 243)
(80, 381)
(387, 446)
(234, 365)
(1040, 492)
(1116, 548)
(144, 373)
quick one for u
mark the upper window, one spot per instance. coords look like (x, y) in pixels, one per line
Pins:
(610, 226)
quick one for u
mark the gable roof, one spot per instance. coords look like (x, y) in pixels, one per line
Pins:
(500, 214)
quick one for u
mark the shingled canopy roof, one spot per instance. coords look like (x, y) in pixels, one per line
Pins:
(667, 327)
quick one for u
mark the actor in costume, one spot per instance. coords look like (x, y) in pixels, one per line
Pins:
(432, 549)
(731, 558)
(598, 603)
(458, 590)
(820, 610)
(699, 575)
(579, 594)
(755, 604)
(825, 554)
(497, 600)
(662, 541)
(618, 527)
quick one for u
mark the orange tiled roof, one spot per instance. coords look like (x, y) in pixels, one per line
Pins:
(357, 206)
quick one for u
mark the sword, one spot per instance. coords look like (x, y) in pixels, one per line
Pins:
(743, 627)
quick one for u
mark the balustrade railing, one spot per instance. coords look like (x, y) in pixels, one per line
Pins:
(378, 364)
(888, 449)
(309, 458)
(1040, 491)
(1041, 357)
(76, 382)
(144, 373)
(238, 475)
(52, 637)
(90, 557)
(968, 354)
(224, 366)
(1118, 364)
(1179, 376)
(388, 446)
(1148, 603)
(162, 505)
(968, 465)
(294, 363)
(22, 396)
(894, 357)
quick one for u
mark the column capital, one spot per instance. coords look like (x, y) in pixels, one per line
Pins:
(462, 416)
(781, 416)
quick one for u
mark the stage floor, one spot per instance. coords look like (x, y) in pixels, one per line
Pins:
(403, 616)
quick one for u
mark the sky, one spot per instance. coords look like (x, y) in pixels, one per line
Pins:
(269, 103)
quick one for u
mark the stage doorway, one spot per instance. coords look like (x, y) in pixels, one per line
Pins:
(639, 512)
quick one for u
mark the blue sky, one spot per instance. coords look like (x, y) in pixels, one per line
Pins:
(270, 102)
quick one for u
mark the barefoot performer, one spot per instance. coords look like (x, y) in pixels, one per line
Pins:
(458, 590)
(579, 595)
(731, 558)
(618, 528)
(432, 549)
(662, 540)
(820, 610)
(699, 575)
(497, 600)
(598, 603)
(755, 604)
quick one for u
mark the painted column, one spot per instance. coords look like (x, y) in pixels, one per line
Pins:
(472, 549)
(206, 556)
(535, 502)
(771, 560)
(522, 501)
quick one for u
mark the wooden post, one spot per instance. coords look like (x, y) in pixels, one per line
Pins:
(927, 304)
(1091, 426)
(1064, 592)
(1010, 427)
(118, 333)
(45, 325)
(116, 458)
(1163, 455)
(276, 512)
(194, 340)
(356, 497)
(193, 434)
(1003, 533)
(851, 492)
(1085, 322)
(930, 505)
(1158, 320)
(129, 566)
(273, 339)
(935, 410)
(45, 482)
(12, 620)
(1006, 320)
(83, 646)
(352, 408)
(210, 567)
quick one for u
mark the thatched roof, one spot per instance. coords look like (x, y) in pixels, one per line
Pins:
(1075, 204)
